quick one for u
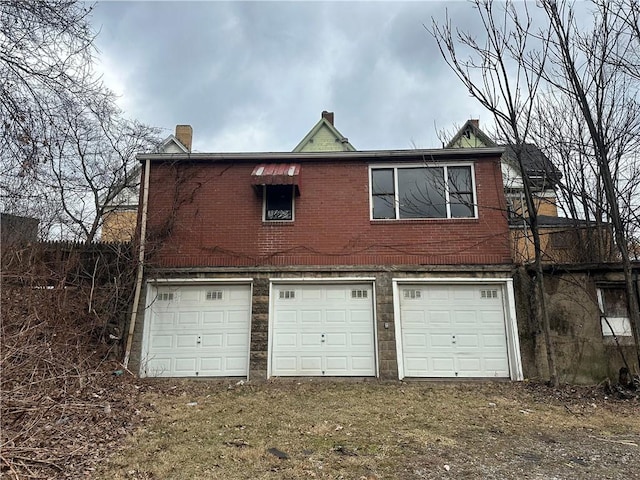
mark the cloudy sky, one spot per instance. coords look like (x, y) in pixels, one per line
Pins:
(255, 76)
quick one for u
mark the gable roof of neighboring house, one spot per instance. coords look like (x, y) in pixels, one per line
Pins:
(324, 137)
(172, 145)
(542, 172)
(118, 195)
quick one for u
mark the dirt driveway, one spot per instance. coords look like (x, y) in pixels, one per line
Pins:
(374, 430)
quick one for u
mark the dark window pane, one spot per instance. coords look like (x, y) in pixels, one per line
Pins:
(421, 193)
(383, 206)
(459, 179)
(615, 302)
(279, 202)
(461, 205)
(382, 181)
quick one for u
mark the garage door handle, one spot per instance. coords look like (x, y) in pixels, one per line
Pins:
(322, 338)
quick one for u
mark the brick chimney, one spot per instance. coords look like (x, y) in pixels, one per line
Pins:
(328, 116)
(475, 122)
(184, 134)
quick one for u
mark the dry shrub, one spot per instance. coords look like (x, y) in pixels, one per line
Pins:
(62, 407)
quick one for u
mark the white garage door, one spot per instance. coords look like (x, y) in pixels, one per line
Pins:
(198, 330)
(452, 331)
(322, 330)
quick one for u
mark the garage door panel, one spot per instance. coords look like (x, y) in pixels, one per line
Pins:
(161, 319)
(237, 318)
(313, 317)
(440, 341)
(361, 316)
(438, 318)
(159, 366)
(212, 340)
(466, 341)
(311, 294)
(498, 365)
(162, 341)
(186, 319)
(190, 296)
(361, 340)
(286, 340)
(196, 330)
(310, 364)
(336, 340)
(210, 365)
(334, 323)
(213, 318)
(465, 317)
(286, 317)
(414, 317)
(236, 340)
(186, 341)
(185, 365)
(464, 334)
(336, 316)
(238, 296)
(493, 341)
(336, 364)
(443, 365)
(417, 340)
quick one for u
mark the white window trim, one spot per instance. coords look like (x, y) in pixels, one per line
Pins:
(396, 167)
(621, 325)
(264, 205)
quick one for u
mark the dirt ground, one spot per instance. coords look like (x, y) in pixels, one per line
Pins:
(374, 430)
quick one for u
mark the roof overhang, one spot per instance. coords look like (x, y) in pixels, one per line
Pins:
(424, 155)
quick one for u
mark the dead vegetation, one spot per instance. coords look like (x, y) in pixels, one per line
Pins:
(378, 430)
(62, 409)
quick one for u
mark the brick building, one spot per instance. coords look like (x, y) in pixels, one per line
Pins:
(390, 264)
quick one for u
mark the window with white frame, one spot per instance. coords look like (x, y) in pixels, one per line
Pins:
(612, 301)
(445, 191)
(278, 202)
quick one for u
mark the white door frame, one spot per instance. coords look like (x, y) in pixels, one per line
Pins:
(323, 280)
(151, 289)
(509, 306)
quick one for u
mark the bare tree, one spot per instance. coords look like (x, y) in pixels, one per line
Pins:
(46, 48)
(573, 91)
(65, 147)
(605, 97)
(494, 72)
(92, 161)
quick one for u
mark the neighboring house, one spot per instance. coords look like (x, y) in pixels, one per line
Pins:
(387, 263)
(560, 237)
(324, 137)
(121, 208)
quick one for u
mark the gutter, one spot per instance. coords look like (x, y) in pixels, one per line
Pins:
(140, 274)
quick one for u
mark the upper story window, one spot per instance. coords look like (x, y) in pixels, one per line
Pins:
(445, 191)
(278, 202)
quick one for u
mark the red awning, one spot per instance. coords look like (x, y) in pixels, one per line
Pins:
(276, 174)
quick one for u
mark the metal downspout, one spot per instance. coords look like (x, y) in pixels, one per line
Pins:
(140, 274)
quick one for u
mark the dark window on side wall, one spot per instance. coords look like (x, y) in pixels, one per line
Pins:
(278, 202)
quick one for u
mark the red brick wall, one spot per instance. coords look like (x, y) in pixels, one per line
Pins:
(204, 214)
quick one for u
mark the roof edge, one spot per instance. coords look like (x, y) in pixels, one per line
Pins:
(297, 156)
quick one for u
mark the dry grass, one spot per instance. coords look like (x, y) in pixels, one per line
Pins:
(367, 430)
